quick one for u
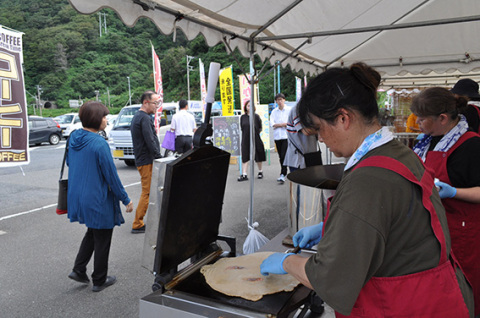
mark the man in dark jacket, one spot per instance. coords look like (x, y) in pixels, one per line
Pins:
(146, 148)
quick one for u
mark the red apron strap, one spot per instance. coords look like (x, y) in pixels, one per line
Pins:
(426, 184)
(478, 112)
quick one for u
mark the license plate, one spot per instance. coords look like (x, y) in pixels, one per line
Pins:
(118, 153)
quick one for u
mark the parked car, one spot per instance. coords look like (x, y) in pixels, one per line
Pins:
(104, 133)
(43, 130)
(67, 122)
(120, 138)
(111, 122)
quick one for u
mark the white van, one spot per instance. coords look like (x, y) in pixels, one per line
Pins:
(68, 122)
(120, 139)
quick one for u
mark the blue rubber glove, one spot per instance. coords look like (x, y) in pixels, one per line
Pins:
(308, 236)
(446, 191)
(274, 264)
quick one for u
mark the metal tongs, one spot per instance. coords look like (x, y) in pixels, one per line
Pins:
(294, 250)
(298, 249)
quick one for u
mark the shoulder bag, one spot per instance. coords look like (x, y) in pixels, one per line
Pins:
(62, 187)
(311, 158)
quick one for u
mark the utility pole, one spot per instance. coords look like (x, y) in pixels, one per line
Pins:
(36, 101)
(96, 95)
(108, 97)
(35, 106)
(100, 23)
(39, 93)
(189, 68)
(105, 22)
(129, 94)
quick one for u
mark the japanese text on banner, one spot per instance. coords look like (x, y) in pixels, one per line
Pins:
(157, 75)
(245, 90)
(226, 91)
(13, 111)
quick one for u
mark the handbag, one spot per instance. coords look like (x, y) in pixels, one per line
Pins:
(169, 140)
(62, 188)
(311, 158)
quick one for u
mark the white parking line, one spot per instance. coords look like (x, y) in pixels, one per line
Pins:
(27, 212)
(132, 184)
(47, 206)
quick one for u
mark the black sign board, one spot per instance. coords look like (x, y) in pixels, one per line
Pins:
(226, 134)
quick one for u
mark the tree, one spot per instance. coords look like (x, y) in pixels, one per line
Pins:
(63, 52)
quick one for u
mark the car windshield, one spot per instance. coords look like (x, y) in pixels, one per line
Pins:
(111, 119)
(64, 119)
(198, 117)
(125, 117)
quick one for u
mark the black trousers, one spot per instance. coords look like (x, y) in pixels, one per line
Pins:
(183, 143)
(282, 145)
(98, 241)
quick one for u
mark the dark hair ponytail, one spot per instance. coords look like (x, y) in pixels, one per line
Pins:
(354, 89)
(367, 76)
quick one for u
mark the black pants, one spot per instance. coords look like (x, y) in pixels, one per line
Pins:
(282, 145)
(98, 241)
(183, 143)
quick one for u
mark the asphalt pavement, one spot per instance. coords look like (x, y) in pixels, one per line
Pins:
(38, 248)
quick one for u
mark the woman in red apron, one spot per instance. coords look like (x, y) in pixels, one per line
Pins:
(385, 248)
(469, 89)
(453, 153)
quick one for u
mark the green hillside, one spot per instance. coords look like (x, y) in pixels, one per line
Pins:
(65, 55)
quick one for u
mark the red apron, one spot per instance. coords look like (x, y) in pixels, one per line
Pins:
(431, 293)
(463, 221)
(478, 112)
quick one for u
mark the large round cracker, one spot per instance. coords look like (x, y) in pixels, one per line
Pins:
(241, 277)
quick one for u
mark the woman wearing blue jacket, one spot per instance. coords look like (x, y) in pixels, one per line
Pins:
(94, 193)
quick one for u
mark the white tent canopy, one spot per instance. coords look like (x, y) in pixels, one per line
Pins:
(408, 37)
(399, 38)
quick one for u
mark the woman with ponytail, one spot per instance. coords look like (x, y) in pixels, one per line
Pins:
(453, 153)
(384, 248)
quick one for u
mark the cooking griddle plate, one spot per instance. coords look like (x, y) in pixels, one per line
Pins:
(322, 176)
(270, 304)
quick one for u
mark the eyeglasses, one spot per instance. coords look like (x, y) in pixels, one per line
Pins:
(156, 103)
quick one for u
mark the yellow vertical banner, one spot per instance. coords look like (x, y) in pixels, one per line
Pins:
(226, 91)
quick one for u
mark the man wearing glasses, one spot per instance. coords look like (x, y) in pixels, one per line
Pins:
(146, 148)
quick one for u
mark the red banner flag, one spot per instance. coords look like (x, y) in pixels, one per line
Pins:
(157, 74)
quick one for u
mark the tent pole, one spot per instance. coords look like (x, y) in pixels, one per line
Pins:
(274, 80)
(252, 133)
(278, 73)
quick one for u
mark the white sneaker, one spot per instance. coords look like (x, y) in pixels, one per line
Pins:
(281, 179)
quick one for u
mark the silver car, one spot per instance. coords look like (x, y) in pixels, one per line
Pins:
(120, 138)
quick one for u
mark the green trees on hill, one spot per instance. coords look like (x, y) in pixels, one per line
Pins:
(65, 55)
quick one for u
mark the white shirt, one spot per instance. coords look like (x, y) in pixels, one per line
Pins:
(279, 117)
(183, 123)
